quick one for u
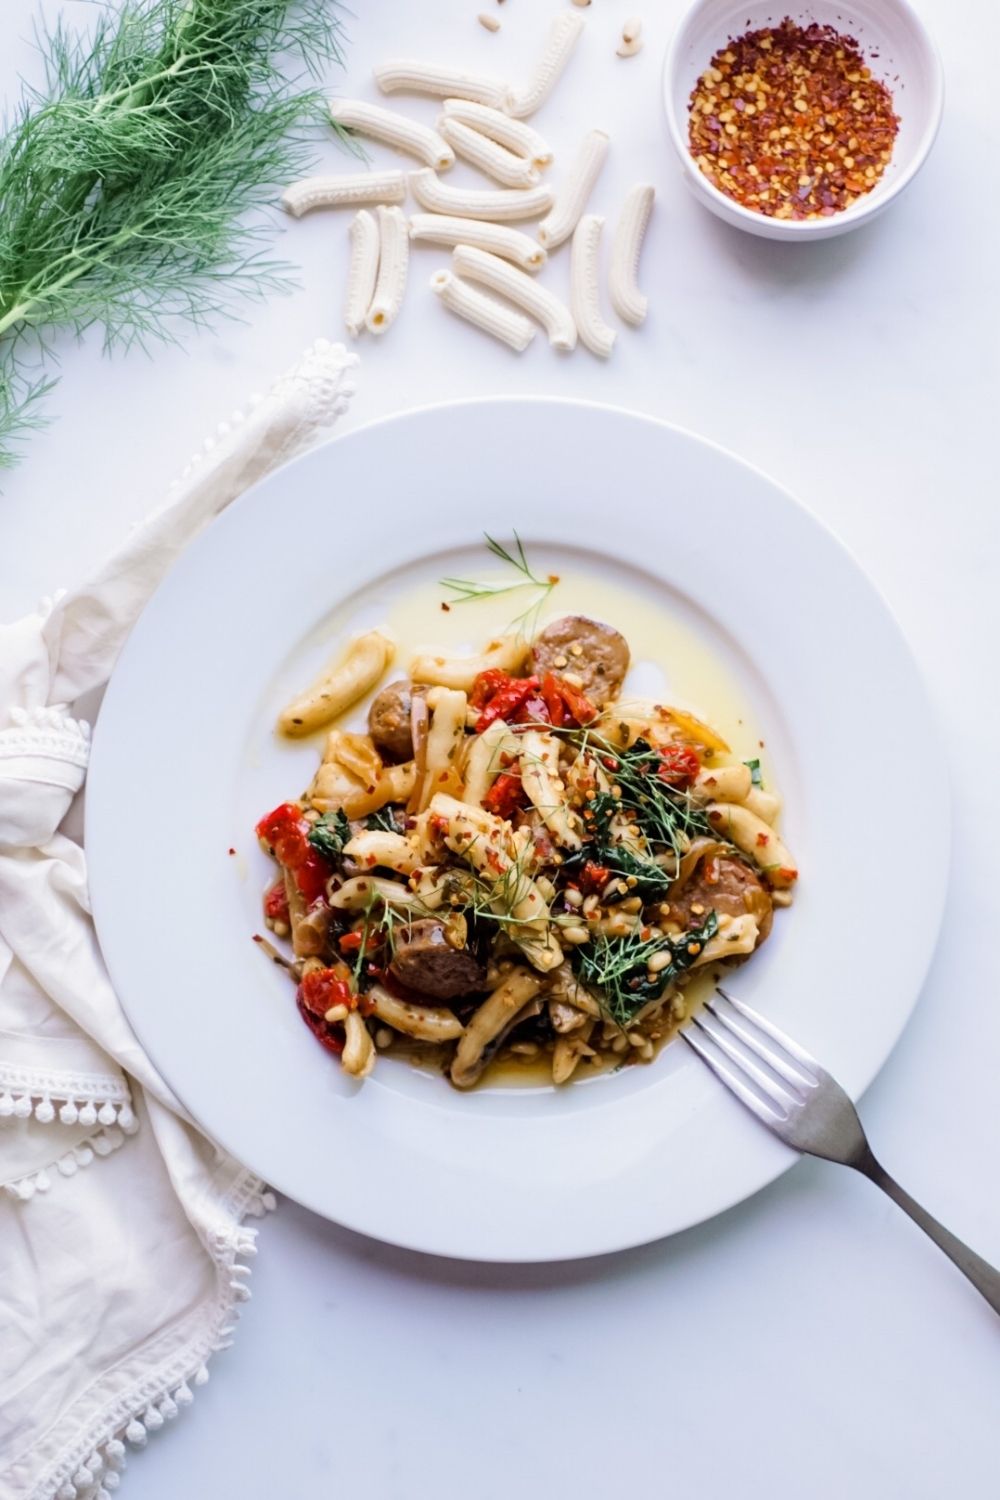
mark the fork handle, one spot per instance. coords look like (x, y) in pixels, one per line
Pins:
(984, 1277)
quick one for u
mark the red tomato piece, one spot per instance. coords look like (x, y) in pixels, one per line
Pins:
(578, 704)
(506, 701)
(279, 821)
(679, 765)
(505, 796)
(276, 903)
(534, 710)
(486, 684)
(553, 699)
(329, 1036)
(323, 988)
(311, 874)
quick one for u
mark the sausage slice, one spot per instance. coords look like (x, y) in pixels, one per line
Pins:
(425, 961)
(726, 886)
(587, 650)
(389, 720)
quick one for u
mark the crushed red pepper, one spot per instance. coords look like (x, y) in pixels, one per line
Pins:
(789, 121)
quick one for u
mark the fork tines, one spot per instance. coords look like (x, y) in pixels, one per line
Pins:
(770, 1080)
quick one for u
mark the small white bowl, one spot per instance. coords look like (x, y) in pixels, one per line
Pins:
(896, 47)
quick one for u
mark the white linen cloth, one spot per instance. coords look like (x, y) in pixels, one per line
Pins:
(121, 1227)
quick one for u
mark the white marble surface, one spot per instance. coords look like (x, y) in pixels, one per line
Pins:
(809, 1340)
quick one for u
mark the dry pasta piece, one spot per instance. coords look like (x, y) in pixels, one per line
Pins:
(499, 239)
(503, 323)
(628, 302)
(507, 653)
(489, 156)
(594, 332)
(572, 196)
(564, 33)
(336, 190)
(539, 760)
(554, 316)
(754, 838)
(363, 271)
(393, 260)
(518, 137)
(358, 670)
(500, 205)
(404, 75)
(428, 1023)
(386, 125)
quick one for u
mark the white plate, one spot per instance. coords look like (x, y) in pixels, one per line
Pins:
(184, 761)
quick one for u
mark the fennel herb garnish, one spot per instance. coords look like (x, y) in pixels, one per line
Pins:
(464, 590)
(125, 180)
(617, 969)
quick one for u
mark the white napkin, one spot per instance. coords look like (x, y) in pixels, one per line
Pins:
(121, 1246)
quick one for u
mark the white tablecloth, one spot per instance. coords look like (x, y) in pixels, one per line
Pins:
(810, 1338)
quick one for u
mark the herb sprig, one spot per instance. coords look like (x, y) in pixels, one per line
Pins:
(464, 590)
(617, 969)
(126, 179)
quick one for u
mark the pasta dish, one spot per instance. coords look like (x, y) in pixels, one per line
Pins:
(517, 861)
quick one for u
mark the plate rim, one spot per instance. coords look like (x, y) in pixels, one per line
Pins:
(612, 1241)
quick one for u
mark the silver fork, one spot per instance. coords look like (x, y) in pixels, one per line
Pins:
(798, 1100)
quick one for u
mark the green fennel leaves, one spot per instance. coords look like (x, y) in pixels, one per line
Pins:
(127, 181)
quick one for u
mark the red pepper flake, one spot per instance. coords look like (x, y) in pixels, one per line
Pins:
(762, 839)
(232, 851)
(789, 122)
(594, 877)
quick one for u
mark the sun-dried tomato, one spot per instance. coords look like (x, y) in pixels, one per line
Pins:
(505, 796)
(281, 820)
(330, 1035)
(679, 765)
(486, 684)
(324, 988)
(534, 710)
(504, 702)
(286, 831)
(311, 874)
(276, 903)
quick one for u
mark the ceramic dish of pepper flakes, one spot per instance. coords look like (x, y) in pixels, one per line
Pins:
(801, 124)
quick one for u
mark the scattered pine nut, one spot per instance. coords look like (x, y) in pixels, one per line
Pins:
(581, 3)
(490, 22)
(631, 41)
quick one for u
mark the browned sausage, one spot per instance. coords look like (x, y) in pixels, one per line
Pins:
(586, 651)
(726, 886)
(425, 961)
(389, 720)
